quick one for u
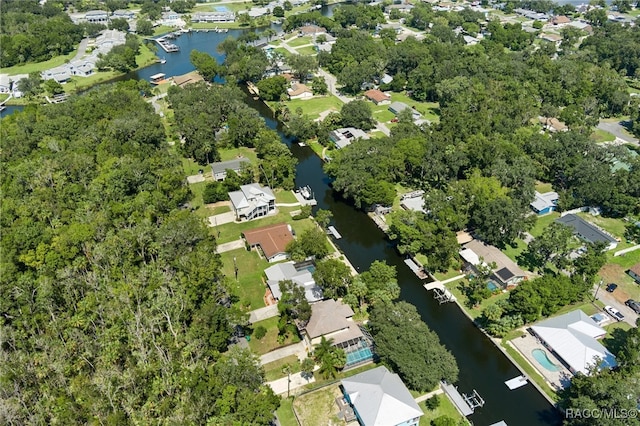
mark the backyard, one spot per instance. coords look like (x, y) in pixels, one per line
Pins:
(274, 370)
(249, 287)
(270, 340)
(318, 408)
(444, 408)
(314, 106)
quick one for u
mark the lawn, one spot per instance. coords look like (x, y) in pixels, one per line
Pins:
(600, 135)
(249, 287)
(270, 341)
(307, 50)
(314, 106)
(445, 408)
(190, 167)
(542, 222)
(218, 210)
(233, 153)
(614, 273)
(300, 41)
(513, 252)
(474, 312)
(543, 187)
(382, 114)
(318, 408)
(39, 66)
(616, 336)
(285, 197)
(162, 30)
(282, 51)
(285, 413)
(273, 370)
(441, 276)
(429, 110)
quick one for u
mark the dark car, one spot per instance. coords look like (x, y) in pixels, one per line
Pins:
(633, 305)
(612, 287)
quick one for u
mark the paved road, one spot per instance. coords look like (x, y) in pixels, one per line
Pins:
(610, 299)
(618, 130)
(82, 49)
(263, 313)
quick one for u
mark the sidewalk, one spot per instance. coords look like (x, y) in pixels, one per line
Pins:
(429, 395)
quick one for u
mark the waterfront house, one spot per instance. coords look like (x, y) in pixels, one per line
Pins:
(634, 272)
(553, 125)
(300, 274)
(5, 83)
(271, 240)
(252, 201)
(572, 338)
(217, 17)
(299, 91)
(219, 169)
(186, 79)
(313, 30)
(344, 136)
(587, 231)
(544, 203)
(506, 273)
(60, 74)
(379, 397)
(377, 97)
(123, 14)
(413, 201)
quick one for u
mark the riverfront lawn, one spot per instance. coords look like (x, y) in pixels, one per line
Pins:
(283, 196)
(233, 153)
(445, 408)
(270, 341)
(314, 106)
(300, 41)
(249, 288)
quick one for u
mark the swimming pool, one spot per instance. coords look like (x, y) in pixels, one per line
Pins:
(492, 286)
(543, 359)
(359, 355)
(221, 9)
(311, 268)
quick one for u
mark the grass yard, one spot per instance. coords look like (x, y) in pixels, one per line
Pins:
(300, 41)
(190, 167)
(249, 288)
(39, 66)
(218, 210)
(382, 114)
(283, 196)
(318, 408)
(543, 187)
(273, 370)
(282, 51)
(445, 408)
(162, 30)
(212, 7)
(474, 312)
(627, 287)
(529, 370)
(588, 308)
(513, 252)
(441, 276)
(285, 413)
(316, 147)
(429, 110)
(307, 50)
(314, 106)
(542, 222)
(616, 336)
(233, 153)
(270, 341)
(600, 135)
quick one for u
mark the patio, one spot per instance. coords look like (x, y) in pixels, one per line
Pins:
(556, 379)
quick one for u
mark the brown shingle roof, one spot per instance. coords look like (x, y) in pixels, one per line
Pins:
(183, 80)
(272, 239)
(328, 317)
(635, 269)
(376, 95)
(298, 89)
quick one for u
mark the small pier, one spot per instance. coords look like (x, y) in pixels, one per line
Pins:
(516, 382)
(458, 400)
(417, 269)
(440, 292)
(333, 231)
(305, 196)
(167, 46)
(157, 78)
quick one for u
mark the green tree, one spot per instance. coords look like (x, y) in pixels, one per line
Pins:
(323, 217)
(409, 347)
(311, 243)
(319, 86)
(330, 358)
(357, 114)
(552, 245)
(30, 85)
(53, 87)
(333, 276)
(144, 27)
(205, 64)
(119, 24)
(278, 12)
(302, 66)
(272, 88)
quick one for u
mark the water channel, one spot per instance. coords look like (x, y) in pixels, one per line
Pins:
(482, 366)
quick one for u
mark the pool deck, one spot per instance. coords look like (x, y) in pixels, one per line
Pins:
(556, 379)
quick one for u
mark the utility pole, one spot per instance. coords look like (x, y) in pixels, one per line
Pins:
(235, 267)
(595, 296)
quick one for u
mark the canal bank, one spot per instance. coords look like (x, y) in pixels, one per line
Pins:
(483, 367)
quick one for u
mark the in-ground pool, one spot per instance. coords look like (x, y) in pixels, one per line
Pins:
(359, 355)
(221, 9)
(492, 286)
(543, 359)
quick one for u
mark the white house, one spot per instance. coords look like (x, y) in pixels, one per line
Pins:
(219, 169)
(300, 275)
(252, 201)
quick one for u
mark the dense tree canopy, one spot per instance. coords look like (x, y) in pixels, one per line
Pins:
(110, 290)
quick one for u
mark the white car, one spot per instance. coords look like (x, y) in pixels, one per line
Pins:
(614, 313)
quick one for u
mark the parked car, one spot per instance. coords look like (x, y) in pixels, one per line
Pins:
(611, 287)
(616, 314)
(633, 305)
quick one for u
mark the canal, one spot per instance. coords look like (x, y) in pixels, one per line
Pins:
(482, 366)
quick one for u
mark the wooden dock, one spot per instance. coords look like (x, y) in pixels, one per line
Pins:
(417, 269)
(333, 231)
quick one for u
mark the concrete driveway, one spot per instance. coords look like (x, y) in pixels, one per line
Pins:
(609, 299)
(617, 130)
(222, 218)
(263, 313)
(298, 349)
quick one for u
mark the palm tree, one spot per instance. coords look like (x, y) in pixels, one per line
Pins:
(323, 348)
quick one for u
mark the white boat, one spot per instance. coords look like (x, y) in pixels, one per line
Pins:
(305, 191)
(162, 60)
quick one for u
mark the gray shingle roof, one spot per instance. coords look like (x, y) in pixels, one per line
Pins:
(380, 398)
(234, 165)
(584, 229)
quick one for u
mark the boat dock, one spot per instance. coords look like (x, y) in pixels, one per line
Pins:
(167, 46)
(333, 231)
(516, 382)
(417, 269)
(461, 404)
(157, 78)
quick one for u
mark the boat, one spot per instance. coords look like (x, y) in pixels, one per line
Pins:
(162, 60)
(157, 78)
(305, 191)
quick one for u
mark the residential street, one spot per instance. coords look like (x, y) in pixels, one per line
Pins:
(610, 299)
(617, 130)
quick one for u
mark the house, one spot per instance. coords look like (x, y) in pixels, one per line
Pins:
(60, 74)
(256, 12)
(560, 20)
(252, 201)
(97, 16)
(544, 203)
(377, 97)
(470, 40)
(506, 272)
(413, 201)
(306, 30)
(217, 17)
(386, 79)
(581, 25)
(344, 136)
(123, 14)
(5, 83)
(402, 8)
(552, 38)
(186, 79)
(587, 231)
(299, 91)
(272, 240)
(379, 398)
(572, 338)
(219, 169)
(81, 68)
(634, 272)
(333, 320)
(170, 16)
(553, 124)
(299, 274)
(398, 107)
